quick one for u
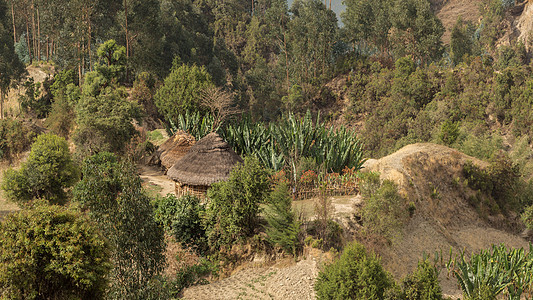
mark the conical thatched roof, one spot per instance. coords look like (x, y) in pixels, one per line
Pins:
(210, 160)
(175, 148)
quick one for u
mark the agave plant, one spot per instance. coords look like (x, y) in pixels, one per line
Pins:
(490, 273)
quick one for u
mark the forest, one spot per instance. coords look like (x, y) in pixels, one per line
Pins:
(309, 99)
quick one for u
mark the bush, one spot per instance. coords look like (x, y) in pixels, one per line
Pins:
(384, 210)
(232, 212)
(283, 227)
(422, 284)
(14, 138)
(182, 217)
(112, 193)
(356, 275)
(105, 120)
(181, 91)
(52, 253)
(46, 174)
(449, 131)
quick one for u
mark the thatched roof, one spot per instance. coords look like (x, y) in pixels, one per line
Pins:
(210, 160)
(175, 148)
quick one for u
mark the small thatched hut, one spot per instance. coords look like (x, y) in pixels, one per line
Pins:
(210, 160)
(175, 148)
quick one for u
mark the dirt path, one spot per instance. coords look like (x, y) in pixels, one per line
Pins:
(281, 281)
(156, 180)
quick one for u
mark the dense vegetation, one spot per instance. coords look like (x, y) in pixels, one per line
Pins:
(303, 100)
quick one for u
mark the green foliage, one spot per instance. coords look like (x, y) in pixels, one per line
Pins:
(49, 252)
(232, 212)
(356, 275)
(62, 80)
(449, 132)
(492, 272)
(14, 138)
(61, 118)
(283, 227)
(286, 141)
(182, 218)
(501, 181)
(11, 68)
(112, 193)
(461, 40)
(384, 210)
(104, 119)
(46, 174)
(422, 284)
(112, 60)
(182, 91)
(191, 275)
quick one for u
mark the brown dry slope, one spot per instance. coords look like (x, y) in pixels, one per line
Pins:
(449, 10)
(431, 177)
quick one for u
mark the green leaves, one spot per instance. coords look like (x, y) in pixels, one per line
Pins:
(356, 275)
(182, 91)
(50, 252)
(47, 173)
(495, 271)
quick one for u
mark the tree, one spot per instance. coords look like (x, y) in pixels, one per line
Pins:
(357, 274)
(183, 218)
(232, 212)
(112, 193)
(50, 252)
(182, 91)
(104, 117)
(461, 42)
(283, 226)
(311, 35)
(46, 174)
(11, 69)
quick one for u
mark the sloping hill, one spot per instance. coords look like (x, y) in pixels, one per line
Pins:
(431, 177)
(449, 10)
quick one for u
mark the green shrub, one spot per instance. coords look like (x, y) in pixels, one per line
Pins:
(493, 272)
(14, 138)
(112, 193)
(449, 131)
(232, 212)
(384, 210)
(46, 174)
(49, 252)
(61, 117)
(182, 218)
(283, 227)
(422, 284)
(355, 275)
(182, 91)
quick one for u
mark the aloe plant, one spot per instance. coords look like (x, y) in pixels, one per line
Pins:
(497, 271)
(283, 143)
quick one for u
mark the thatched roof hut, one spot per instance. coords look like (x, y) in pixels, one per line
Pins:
(210, 160)
(175, 148)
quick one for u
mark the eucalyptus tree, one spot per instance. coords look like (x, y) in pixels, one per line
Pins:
(11, 69)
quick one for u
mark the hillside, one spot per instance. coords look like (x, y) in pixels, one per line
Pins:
(431, 176)
(449, 10)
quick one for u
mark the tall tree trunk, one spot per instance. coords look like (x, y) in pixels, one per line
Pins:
(38, 35)
(127, 37)
(329, 4)
(89, 43)
(126, 29)
(33, 28)
(13, 17)
(28, 39)
(1, 104)
(79, 64)
(47, 48)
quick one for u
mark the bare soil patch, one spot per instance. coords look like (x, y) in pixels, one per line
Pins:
(155, 181)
